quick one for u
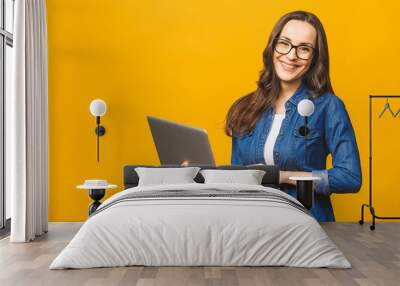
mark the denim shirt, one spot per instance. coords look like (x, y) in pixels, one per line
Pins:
(330, 132)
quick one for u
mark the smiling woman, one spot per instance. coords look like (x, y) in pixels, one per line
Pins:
(264, 124)
(293, 61)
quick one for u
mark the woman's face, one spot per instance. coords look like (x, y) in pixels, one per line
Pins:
(290, 68)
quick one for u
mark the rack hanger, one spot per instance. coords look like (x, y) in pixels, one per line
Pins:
(387, 107)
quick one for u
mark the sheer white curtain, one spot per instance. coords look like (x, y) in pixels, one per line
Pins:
(27, 124)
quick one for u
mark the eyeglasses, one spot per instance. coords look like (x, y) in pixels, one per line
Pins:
(284, 47)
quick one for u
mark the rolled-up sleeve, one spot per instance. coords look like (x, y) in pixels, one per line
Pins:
(345, 176)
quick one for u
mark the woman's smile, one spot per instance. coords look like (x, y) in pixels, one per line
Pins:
(288, 66)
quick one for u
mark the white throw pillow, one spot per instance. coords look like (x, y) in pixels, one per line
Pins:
(249, 177)
(162, 176)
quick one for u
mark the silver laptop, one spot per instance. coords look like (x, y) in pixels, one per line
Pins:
(176, 143)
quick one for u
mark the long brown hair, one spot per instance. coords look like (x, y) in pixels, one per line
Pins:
(243, 114)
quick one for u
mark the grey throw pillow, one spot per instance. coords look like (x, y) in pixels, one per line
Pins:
(161, 176)
(249, 177)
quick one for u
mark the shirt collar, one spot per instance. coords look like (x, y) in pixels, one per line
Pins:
(300, 93)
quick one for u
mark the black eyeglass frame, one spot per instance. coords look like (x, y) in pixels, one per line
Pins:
(293, 46)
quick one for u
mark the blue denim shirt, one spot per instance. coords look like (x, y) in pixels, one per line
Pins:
(330, 132)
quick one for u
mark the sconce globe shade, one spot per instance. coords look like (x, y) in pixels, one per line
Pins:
(98, 107)
(305, 107)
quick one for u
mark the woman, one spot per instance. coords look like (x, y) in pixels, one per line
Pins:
(264, 124)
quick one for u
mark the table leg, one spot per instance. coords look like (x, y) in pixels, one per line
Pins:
(305, 193)
(96, 195)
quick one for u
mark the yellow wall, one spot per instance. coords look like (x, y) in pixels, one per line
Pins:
(188, 61)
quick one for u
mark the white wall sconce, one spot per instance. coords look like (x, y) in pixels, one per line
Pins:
(98, 108)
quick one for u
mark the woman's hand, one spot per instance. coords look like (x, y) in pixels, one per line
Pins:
(284, 176)
(185, 163)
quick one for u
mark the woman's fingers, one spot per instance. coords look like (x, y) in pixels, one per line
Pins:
(185, 163)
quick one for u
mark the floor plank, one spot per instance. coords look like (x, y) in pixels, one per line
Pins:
(374, 255)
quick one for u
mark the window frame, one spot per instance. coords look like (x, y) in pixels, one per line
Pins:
(6, 39)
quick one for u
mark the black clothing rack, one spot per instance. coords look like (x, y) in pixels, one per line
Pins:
(370, 205)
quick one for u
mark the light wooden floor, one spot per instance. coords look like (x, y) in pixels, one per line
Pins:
(375, 257)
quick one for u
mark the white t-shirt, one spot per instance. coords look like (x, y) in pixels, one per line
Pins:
(272, 135)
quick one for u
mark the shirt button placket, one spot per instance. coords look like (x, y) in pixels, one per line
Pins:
(276, 156)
